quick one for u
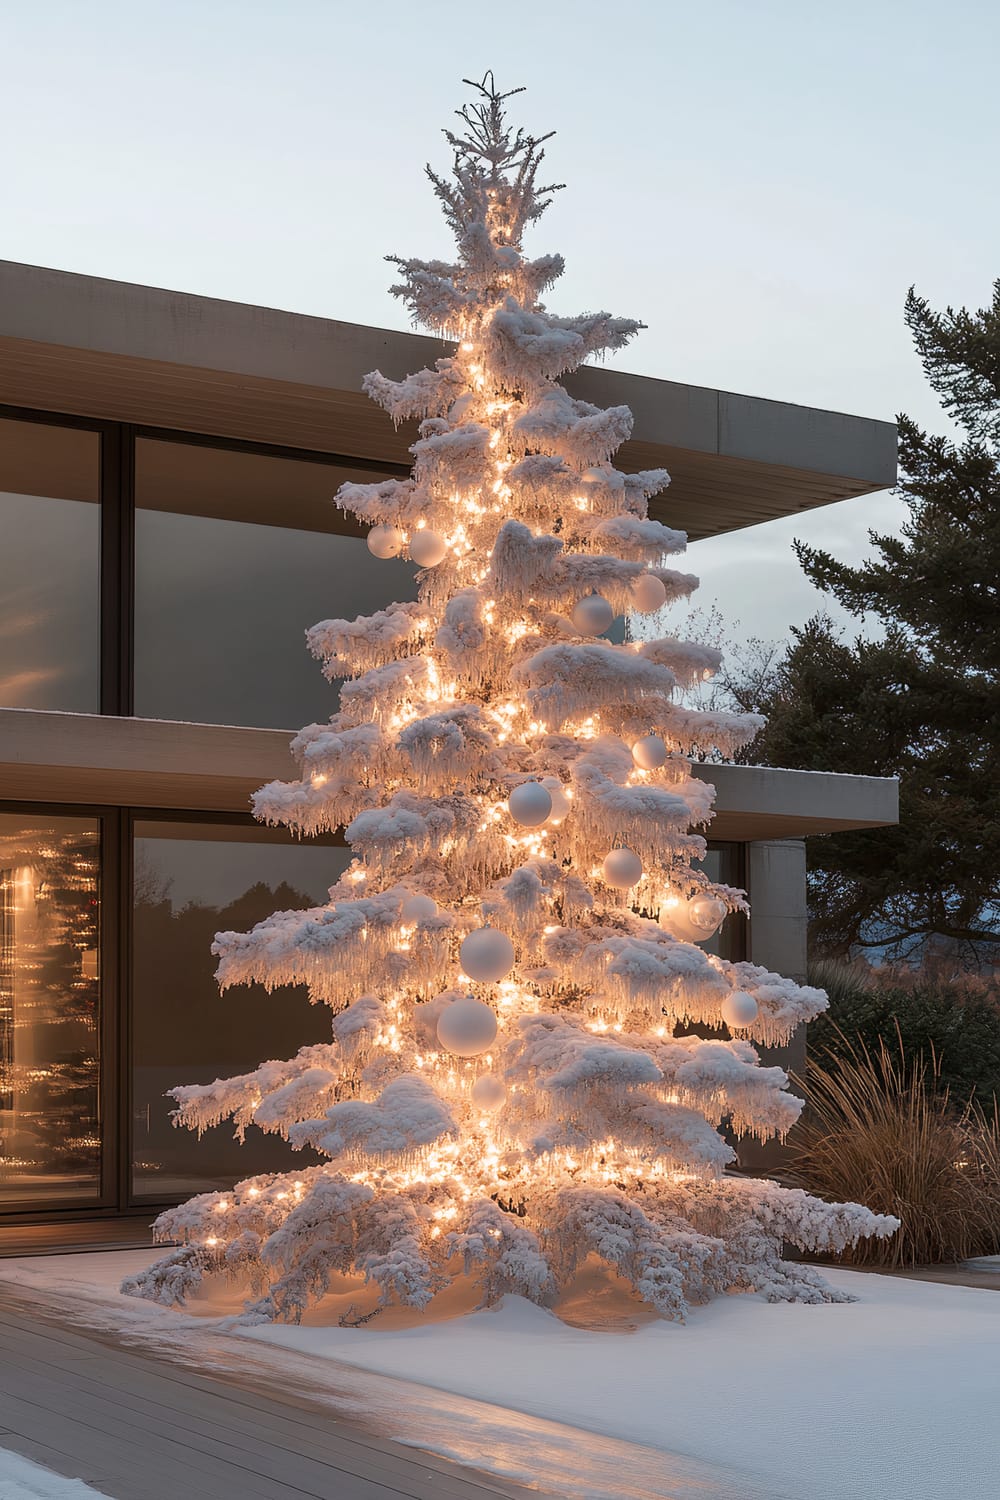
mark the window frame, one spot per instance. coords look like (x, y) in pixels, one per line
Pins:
(116, 497)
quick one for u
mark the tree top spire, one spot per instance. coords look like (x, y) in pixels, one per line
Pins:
(495, 166)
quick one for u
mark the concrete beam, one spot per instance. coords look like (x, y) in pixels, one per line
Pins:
(159, 763)
(110, 349)
(765, 802)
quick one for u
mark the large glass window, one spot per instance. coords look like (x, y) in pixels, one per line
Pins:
(192, 880)
(236, 555)
(49, 567)
(50, 1148)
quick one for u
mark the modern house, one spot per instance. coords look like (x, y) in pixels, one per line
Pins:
(167, 464)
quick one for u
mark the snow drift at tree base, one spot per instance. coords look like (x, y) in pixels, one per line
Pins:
(513, 1080)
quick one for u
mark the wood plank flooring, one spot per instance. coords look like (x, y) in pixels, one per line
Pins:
(142, 1428)
(68, 1237)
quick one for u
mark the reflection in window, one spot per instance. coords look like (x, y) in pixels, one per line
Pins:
(49, 567)
(49, 1009)
(237, 554)
(192, 880)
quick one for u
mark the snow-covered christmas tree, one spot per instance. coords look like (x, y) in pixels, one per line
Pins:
(511, 960)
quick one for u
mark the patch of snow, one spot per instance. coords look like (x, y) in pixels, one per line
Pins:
(23, 1480)
(892, 1395)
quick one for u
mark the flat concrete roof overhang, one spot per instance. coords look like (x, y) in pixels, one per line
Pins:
(85, 345)
(154, 763)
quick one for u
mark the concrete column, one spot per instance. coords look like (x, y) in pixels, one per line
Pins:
(776, 940)
(776, 879)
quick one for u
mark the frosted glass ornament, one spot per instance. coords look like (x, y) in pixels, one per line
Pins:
(593, 615)
(488, 1093)
(739, 1009)
(386, 541)
(707, 913)
(675, 920)
(622, 869)
(418, 908)
(648, 593)
(561, 803)
(427, 548)
(487, 955)
(530, 804)
(649, 753)
(467, 1027)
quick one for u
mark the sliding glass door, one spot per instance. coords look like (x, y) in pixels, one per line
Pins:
(50, 1010)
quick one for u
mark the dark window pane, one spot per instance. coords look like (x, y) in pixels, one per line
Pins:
(49, 567)
(237, 554)
(192, 880)
(723, 864)
(50, 1146)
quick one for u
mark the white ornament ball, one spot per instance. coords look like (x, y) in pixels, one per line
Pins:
(649, 753)
(530, 804)
(467, 1027)
(487, 955)
(488, 1093)
(427, 548)
(561, 804)
(418, 908)
(622, 869)
(648, 593)
(707, 913)
(386, 541)
(593, 615)
(739, 1009)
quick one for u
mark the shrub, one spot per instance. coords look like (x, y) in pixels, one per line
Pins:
(953, 1025)
(880, 1129)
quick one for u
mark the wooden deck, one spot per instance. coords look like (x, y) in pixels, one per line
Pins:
(143, 1428)
(73, 1236)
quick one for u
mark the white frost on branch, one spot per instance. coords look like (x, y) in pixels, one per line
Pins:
(574, 430)
(202, 1105)
(638, 538)
(398, 1126)
(456, 456)
(782, 1004)
(347, 647)
(574, 679)
(340, 951)
(398, 502)
(689, 661)
(427, 393)
(556, 1053)
(521, 341)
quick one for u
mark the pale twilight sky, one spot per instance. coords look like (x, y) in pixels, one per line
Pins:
(759, 182)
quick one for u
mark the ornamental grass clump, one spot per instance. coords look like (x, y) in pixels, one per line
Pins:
(878, 1130)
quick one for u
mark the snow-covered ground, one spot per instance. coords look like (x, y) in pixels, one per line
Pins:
(893, 1396)
(21, 1480)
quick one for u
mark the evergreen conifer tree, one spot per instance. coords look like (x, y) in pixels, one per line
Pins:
(921, 699)
(512, 955)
